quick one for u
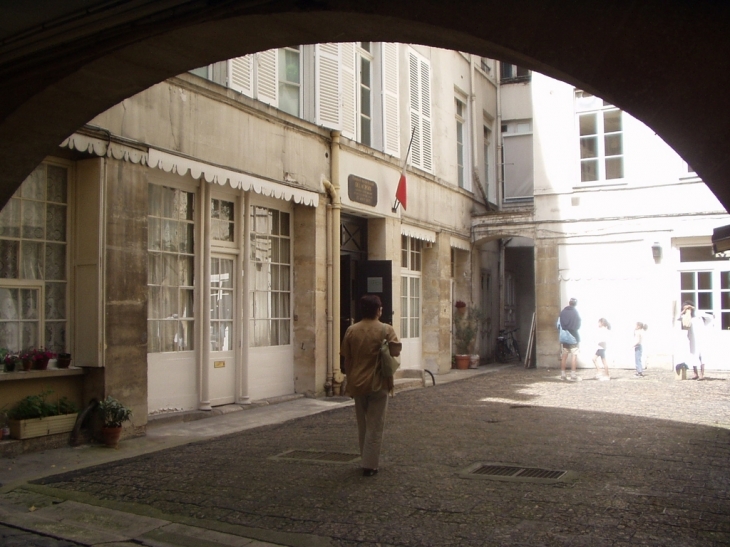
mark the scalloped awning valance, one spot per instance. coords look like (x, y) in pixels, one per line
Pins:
(461, 244)
(210, 173)
(418, 233)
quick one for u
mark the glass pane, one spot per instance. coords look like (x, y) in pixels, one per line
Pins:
(285, 276)
(10, 219)
(154, 228)
(613, 144)
(365, 133)
(154, 303)
(170, 271)
(285, 300)
(225, 305)
(55, 300)
(614, 168)
(365, 101)
(186, 303)
(689, 297)
(275, 257)
(704, 280)
(56, 183)
(55, 336)
(284, 224)
(33, 223)
(289, 99)
(365, 72)
(285, 253)
(10, 336)
(589, 171)
(29, 303)
(725, 280)
(275, 308)
(226, 333)
(260, 305)
(154, 200)
(34, 187)
(29, 335)
(187, 271)
(705, 301)
(187, 237)
(56, 222)
(169, 303)
(226, 273)
(291, 65)
(687, 281)
(185, 205)
(169, 235)
(169, 333)
(587, 123)
(725, 321)
(154, 269)
(32, 264)
(262, 277)
(588, 147)
(725, 300)
(274, 335)
(275, 222)
(611, 121)
(275, 278)
(168, 201)
(153, 336)
(186, 342)
(55, 261)
(9, 304)
(214, 298)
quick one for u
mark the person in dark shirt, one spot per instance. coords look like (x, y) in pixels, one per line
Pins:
(570, 321)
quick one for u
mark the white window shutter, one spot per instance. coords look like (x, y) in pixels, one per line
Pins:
(426, 114)
(327, 82)
(240, 74)
(391, 129)
(267, 85)
(347, 52)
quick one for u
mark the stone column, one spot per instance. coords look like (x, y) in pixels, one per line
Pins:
(436, 305)
(547, 303)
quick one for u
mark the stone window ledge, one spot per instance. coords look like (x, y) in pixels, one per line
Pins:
(48, 373)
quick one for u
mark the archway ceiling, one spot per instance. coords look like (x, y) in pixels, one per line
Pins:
(663, 61)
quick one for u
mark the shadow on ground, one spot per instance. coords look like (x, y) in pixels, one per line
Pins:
(651, 456)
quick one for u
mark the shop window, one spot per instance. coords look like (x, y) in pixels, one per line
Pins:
(270, 298)
(33, 256)
(170, 243)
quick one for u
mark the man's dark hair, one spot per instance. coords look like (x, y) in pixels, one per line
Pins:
(369, 306)
(573, 302)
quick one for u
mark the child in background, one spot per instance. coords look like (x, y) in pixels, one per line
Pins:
(603, 328)
(639, 347)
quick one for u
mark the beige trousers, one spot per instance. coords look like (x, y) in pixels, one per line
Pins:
(370, 413)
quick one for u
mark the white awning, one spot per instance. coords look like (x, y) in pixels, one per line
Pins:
(105, 147)
(211, 173)
(462, 244)
(418, 233)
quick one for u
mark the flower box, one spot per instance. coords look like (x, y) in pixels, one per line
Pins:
(38, 427)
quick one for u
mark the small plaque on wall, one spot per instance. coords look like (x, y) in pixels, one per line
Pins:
(375, 284)
(362, 190)
(219, 364)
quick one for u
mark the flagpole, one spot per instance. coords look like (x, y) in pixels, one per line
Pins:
(405, 164)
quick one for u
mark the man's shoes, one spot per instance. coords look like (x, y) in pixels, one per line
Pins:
(369, 472)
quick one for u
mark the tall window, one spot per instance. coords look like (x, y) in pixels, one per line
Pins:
(290, 80)
(601, 139)
(222, 220)
(419, 76)
(460, 120)
(364, 95)
(33, 282)
(509, 73)
(170, 244)
(410, 291)
(270, 298)
(517, 171)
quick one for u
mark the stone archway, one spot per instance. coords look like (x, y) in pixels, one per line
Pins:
(63, 64)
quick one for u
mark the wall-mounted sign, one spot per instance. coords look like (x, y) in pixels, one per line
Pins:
(362, 190)
(219, 364)
(375, 284)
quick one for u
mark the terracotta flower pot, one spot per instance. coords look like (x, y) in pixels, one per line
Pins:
(111, 436)
(63, 360)
(27, 364)
(41, 364)
(462, 361)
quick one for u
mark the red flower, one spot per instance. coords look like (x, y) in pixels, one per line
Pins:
(460, 304)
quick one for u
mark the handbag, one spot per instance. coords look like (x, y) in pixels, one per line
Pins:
(388, 363)
(565, 336)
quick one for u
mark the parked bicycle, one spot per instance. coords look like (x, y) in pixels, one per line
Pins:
(507, 350)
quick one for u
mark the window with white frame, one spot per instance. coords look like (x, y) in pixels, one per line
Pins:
(270, 290)
(419, 77)
(290, 80)
(704, 280)
(517, 161)
(600, 129)
(33, 256)
(171, 269)
(461, 144)
(222, 220)
(487, 144)
(364, 93)
(410, 295)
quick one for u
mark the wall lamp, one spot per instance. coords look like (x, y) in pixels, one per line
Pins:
(656, 252)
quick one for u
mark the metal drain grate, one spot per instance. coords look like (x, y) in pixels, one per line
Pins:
(320, 456)
(496, 471)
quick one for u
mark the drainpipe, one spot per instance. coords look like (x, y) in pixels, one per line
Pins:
(498, 138)
(335, 231)
(330, 290)
(473, 100)
(204, 403)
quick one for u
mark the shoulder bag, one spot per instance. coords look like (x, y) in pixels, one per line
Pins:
(388, 363)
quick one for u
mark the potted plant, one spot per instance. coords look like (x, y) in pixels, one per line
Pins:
(35, 416)
(63, 360)
(26, 359)
(11, 362)
(40, 358)
(466, 327)
(113, 415)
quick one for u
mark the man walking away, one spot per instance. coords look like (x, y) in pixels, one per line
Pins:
(570, 321)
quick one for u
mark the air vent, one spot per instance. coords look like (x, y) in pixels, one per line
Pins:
(317, 456)
(516, 473)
